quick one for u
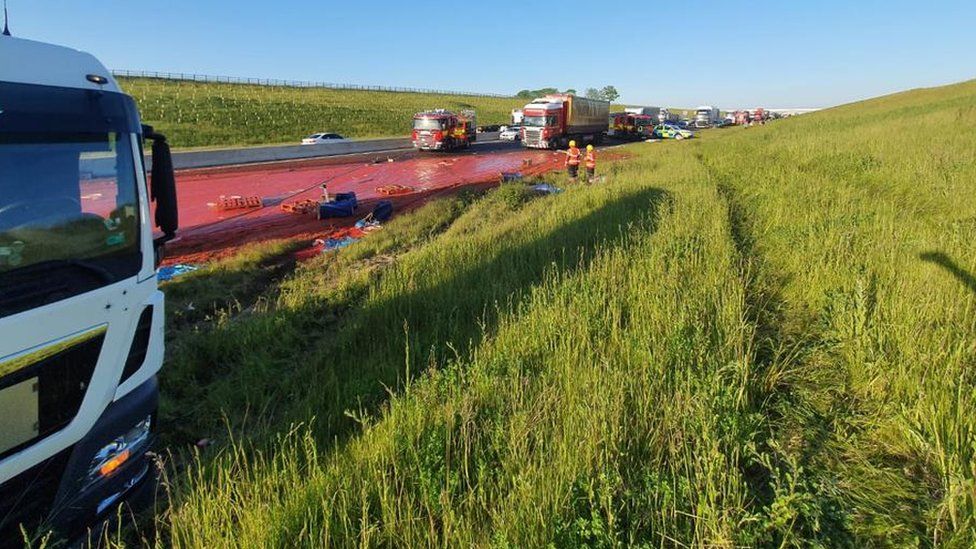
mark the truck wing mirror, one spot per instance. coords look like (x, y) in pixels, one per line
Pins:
(163, 185)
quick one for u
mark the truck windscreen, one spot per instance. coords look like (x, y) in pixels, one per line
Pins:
(69, 206)
(538, 121)
(428, 124)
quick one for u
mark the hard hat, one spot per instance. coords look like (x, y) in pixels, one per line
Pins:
(572, 143)
(589, 147)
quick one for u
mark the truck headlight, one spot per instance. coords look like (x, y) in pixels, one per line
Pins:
(116, 453)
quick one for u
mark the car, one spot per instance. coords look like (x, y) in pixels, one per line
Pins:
(672, 131)
(320, 138)
(511, 133)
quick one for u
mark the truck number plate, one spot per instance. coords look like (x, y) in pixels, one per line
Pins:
(19, 420)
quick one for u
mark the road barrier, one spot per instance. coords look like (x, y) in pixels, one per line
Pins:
(186, 160)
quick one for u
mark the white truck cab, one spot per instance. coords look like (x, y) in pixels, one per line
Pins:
(81, 317)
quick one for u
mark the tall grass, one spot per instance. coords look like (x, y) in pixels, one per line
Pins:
(195, 114)
(763, 338)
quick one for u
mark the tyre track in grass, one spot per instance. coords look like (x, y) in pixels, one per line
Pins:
(790, 392)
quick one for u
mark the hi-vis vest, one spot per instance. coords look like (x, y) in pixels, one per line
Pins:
(573, 156)
(590, 159)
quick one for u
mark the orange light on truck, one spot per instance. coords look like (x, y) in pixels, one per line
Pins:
(113, 464)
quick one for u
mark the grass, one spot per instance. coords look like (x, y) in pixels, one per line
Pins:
(200, 114)
(763, 337)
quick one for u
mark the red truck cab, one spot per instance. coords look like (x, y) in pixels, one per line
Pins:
(443, 130)
(551, 122)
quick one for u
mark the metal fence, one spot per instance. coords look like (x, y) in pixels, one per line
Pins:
(291, 83)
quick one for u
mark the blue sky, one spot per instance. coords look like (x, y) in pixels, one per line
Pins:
(769, 53)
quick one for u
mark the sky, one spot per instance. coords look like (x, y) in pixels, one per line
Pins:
(731, 54)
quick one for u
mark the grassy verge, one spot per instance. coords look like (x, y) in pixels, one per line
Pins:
(759, 338)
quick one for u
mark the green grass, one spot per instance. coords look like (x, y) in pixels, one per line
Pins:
(199, 114)
(763, 337)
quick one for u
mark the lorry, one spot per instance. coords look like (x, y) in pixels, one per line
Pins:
(741, 118)
(517, 117)
(667, 117)
(552, 121)
(707, 116)
(82, 230)
(443, 130)
(759, 116)
(627, 125)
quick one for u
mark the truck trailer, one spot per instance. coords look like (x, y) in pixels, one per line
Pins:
(443, 130)
(551, 122)
(645, 111)
(81, 315)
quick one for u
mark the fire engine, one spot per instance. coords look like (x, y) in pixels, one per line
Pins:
(443, 130)
(628, 125)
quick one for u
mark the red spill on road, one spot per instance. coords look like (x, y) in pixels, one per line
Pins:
(207, 232)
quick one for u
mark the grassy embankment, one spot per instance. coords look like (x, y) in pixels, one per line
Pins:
(198, 114)
(763, 337)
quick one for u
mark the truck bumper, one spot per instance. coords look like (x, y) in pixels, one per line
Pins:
(79, 502)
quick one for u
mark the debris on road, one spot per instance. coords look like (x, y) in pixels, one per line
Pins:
(238, 202)
(394, 189)
(343, 205)
(300, 206)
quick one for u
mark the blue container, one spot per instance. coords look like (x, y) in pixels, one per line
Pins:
(343, 205)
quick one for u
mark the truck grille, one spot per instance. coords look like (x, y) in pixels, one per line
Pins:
(62, 375)
(533, 137)
(25, 500)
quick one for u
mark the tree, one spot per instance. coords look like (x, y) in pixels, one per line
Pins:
(593, 93)
(610, 93)
(571, 91)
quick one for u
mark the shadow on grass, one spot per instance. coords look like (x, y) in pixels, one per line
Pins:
(371, 355)
(946, 262)
(332, 355)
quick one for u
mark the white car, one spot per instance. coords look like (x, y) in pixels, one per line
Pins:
(320, 138)
(511, 133)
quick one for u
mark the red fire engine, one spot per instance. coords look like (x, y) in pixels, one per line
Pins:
(442, 130)
(628, 125)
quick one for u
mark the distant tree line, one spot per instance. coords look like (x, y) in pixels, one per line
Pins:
(608, 93)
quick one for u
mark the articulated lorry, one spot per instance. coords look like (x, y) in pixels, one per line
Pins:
(81, 317)
(551, 122)
(443, 130)
(665, 116)
(707, 116)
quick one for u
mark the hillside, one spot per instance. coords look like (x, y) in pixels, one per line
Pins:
(760, 338)
(194, 114)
